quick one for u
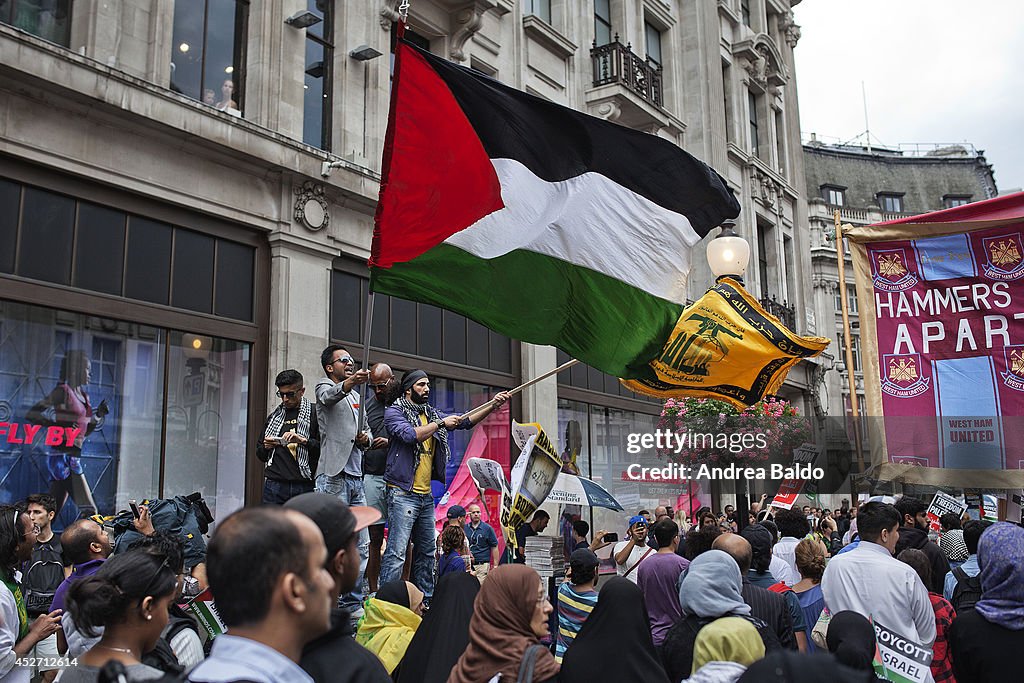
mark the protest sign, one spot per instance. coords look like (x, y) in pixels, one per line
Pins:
(205, 612)
(487, 474)
(942, 504)
(533, 477)
(789, 490)
(990, 507)
(899, 659)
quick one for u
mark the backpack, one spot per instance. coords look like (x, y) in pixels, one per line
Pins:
(185, 516)
(40, 579)
(967, 591)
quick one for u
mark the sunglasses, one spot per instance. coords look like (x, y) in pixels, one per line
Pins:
(347, 360)
(380, 385)
(288, 394)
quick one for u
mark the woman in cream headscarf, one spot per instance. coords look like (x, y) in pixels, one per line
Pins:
(724, 649)
(390, 621)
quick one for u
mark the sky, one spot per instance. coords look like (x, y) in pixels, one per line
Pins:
(933, 71)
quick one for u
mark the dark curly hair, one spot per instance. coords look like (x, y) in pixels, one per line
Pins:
(11, 534)
(452, 538)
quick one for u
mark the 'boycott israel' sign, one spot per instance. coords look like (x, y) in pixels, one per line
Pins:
(900, 659)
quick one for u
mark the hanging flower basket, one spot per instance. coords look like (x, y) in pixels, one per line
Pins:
(713, 432)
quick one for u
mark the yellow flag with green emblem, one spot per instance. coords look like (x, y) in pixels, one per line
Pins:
(726, 346)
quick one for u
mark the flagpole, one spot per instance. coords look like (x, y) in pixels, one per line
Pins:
(513, 392)
(367, 324)
(848, 338)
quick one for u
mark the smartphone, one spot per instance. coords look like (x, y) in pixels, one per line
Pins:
(135, 508)
(282, 440)
(610, 538)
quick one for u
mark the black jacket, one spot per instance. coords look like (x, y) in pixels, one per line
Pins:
(912, 537)
(336, 656)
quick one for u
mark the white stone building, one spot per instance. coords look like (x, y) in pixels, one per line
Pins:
(187, 193)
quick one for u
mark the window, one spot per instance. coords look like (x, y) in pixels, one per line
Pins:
(763, 233)
(414, 328)
(851, 298)
(727, 102)
(951, 200)
(96, 248)
(602, 22)
(855, 350)
(198, 394)
(208, 52)
(752, 115)
(540, 9)
(890, 203)
(833, 196)
(839, 299)
(48, 19)
(745, 12)
(780, 142)
(316, 104)
(653, 36)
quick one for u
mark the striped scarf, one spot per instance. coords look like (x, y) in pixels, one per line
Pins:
(412, 412)
(276, 421)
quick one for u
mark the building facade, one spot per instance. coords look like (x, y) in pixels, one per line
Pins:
(869, 185)
(187, 193)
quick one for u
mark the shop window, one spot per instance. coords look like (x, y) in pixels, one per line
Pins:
(208, 52)
(63, 369)
(100, 249)
(49, 20)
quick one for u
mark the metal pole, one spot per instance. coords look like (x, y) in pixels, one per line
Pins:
(854, 408)
(365, 363)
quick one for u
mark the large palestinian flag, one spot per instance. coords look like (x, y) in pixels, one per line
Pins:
(538, 221)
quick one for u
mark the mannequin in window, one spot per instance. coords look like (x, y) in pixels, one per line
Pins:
(227, 93)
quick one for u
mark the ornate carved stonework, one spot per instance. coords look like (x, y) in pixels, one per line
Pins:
(465, 23)
(388, 15)
(789, 28)
(766, 189)
(311, 209)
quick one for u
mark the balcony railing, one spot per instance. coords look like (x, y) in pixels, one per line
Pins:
(617, 63)
(782, 311)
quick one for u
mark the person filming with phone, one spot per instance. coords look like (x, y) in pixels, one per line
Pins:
(291, 442)
(628, 554)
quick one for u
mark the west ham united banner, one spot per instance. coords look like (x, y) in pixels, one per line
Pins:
(944, 350)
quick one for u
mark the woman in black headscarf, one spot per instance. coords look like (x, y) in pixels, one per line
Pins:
(444, 633)
(788, 666)
(614, 643)
(851, 638)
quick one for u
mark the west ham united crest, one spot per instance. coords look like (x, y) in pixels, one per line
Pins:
(891, 273)
(1014, 375)
(903, 375)
(1003, 257)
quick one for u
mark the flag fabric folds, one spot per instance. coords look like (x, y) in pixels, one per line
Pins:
(535, 220)
(726, 346)
(941, 297)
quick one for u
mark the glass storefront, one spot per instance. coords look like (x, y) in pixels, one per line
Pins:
(98, 411)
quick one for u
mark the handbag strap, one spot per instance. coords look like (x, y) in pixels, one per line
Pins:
(529, 662)
(642, 558)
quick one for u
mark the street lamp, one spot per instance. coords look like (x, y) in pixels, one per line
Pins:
(728, 253)
(728, 256)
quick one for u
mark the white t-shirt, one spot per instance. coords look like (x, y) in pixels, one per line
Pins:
(10, 672)
(634, 557)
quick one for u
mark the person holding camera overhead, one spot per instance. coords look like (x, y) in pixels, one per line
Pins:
(628, 554)
(291, 442)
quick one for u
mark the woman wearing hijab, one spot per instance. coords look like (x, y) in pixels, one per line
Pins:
(851, 639)
(986, 642)
(444, 633)
(389, 622)
(724, 649)
(510, 615)
(614, 643)
(710, 589)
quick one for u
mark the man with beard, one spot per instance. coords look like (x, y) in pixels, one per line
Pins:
(914, 534)
(417, 455)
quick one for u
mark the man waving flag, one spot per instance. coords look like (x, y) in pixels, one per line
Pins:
(537, 221)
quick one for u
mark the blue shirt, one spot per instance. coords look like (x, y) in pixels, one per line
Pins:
(970, 568)
(240, 659)
(481, 540)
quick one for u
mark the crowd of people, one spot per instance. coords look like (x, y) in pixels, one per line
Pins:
(309, 590)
